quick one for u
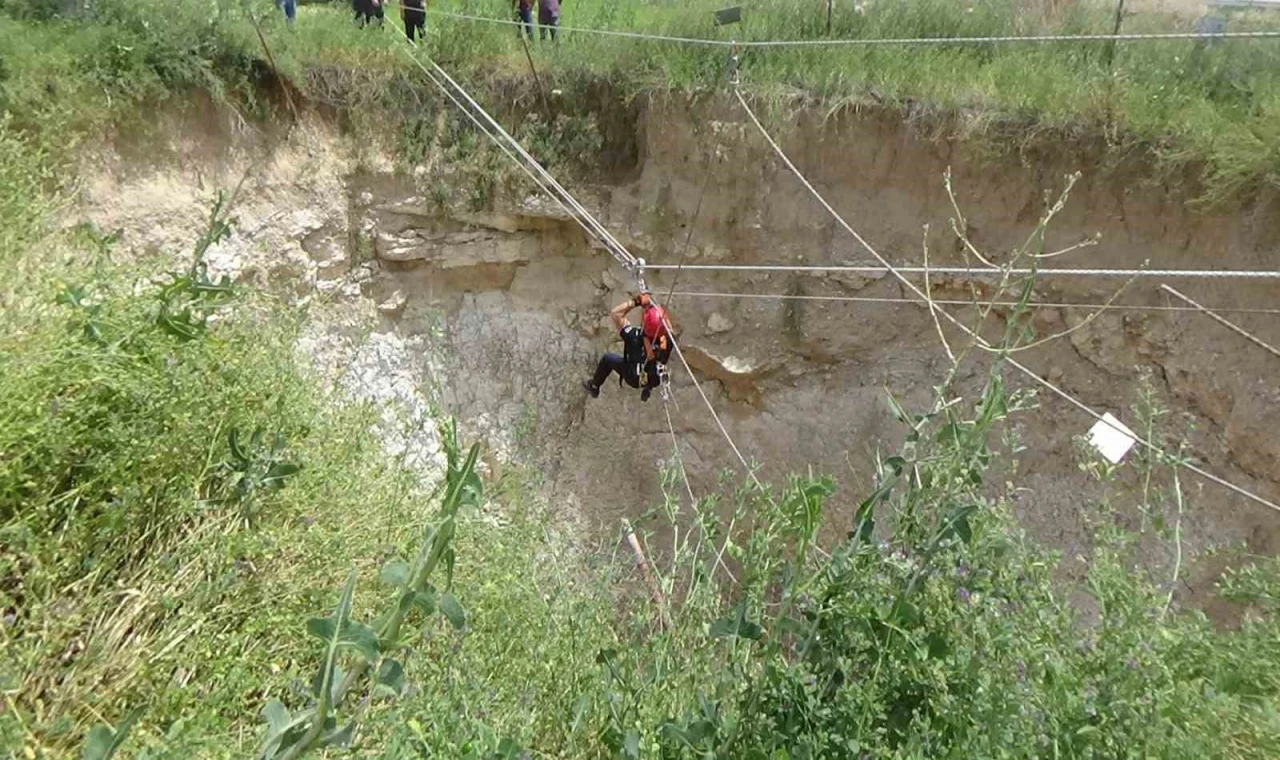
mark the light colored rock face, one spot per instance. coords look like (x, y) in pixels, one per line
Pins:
(717, 323)
(389, 371)
(500, 315)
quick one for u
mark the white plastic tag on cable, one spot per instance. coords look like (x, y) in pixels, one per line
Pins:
(1111, 438)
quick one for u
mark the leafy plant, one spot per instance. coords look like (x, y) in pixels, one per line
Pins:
(290, 736)
(103, 742)
(375, 647)
(255, 467)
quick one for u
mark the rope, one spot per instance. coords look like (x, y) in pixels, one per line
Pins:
(959, 302)
(1229, 325)
(706, 180)
(588, 222)
(741, 459)
(693, 500)
(902, 41)
(1256, 274)
(675, 447)
(502, 146)
(924, 300)
(528, 163)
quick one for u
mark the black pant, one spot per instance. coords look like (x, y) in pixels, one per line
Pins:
(415, 22)
(547, 22)
(367, 12)
(611, 363)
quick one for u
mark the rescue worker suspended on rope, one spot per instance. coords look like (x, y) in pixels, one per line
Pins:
(645, 349)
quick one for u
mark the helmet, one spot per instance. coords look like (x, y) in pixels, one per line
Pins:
(654, 318)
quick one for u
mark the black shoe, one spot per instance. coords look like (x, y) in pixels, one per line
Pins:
(592, 388)
(644, 394)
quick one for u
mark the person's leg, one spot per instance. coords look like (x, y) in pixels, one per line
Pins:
(526, 15)
(290, 10)
(609, 363)
(544, 18)
(555, 22)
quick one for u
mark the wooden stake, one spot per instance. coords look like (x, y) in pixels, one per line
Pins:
(288, 96)
(650, 574)
(528, 57)
(1111, 46)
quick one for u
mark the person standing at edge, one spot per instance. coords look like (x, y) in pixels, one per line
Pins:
(414, 14)
(548, 18)
(368, 12)
(290, 8)
(524, 18)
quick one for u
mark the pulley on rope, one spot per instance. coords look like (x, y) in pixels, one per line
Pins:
(636, 267)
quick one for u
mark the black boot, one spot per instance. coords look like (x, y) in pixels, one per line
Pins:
(592, 388)
(644, 394)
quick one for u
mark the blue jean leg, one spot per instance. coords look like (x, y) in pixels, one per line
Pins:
(524, 15)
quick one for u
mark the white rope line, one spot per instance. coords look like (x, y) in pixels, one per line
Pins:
(501, 145)
(741, 459)
(1254, 274)
(563, 196)
(675, 448)
(1226, 323)
(626, 259)
(693, 500)
(960, 302)
(924, 300)
(905, 41)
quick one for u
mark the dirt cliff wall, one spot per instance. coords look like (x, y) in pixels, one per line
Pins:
(511, 300)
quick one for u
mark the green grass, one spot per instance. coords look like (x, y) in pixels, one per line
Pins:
(1218, 107)
(1215, 108)
(139, 572)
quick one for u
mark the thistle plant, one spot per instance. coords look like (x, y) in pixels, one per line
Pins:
(372, 651)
